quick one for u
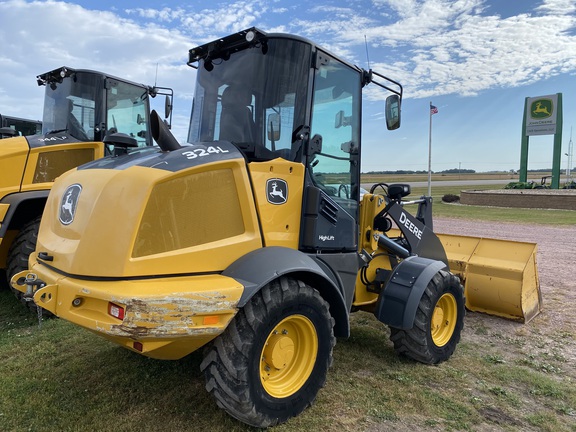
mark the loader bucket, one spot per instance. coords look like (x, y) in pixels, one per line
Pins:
(499, 276)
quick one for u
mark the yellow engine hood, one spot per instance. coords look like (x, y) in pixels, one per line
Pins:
(143, 221)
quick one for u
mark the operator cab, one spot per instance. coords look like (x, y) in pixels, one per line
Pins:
(282, 96)
(90, 105)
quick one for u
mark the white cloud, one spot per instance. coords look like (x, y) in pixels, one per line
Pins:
(39, 36)
(440, 47)
(434, 47)
(208, 23)
(562, 7)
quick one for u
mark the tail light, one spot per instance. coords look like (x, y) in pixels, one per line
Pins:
(116, 311)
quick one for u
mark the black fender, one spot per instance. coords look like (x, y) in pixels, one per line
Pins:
(259, 267)
(399, 300)
(24, 206)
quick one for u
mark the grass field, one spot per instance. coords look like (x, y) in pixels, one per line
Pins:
(59, 377)
(495, 214)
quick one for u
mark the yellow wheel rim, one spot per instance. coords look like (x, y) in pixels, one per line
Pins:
(288, 356)
(444, 319)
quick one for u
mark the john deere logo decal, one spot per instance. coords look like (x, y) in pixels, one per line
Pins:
(276, 191)
(69, 203)
(541, 108)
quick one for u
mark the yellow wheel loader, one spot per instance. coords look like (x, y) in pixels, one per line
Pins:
(83, 110)
(253, 241)
(16, 126)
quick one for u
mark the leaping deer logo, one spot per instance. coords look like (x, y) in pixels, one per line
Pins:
(540, 109)
(68, 204)
(277, 191)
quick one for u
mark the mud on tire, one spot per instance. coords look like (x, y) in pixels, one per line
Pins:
(273, 358)
(438, 323)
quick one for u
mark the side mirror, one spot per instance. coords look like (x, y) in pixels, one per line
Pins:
(341, 120)
(167, 106)
(393, 112)
(273, 127)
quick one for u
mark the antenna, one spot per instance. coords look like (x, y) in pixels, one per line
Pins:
(367, 57)
(156, 77)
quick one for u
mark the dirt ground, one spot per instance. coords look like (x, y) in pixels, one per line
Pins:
(554, 329)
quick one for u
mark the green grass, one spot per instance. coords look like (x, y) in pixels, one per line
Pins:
(61, 377)
(499, 214)
(495, 214)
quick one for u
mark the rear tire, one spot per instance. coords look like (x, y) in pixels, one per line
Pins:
(272, 359)
(438, 323)
(23, 245)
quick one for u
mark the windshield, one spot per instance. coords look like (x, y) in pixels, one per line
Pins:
(255, 99)
(77, 106)
(127, 110)
(71, 105)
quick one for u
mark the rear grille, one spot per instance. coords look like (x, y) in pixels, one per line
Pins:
(190, 211)
(54, 163)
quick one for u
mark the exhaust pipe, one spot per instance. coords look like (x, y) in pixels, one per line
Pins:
(162, 134)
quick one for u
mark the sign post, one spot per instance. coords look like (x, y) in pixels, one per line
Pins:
(542, 116)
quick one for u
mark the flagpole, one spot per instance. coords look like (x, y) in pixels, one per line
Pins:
(430, 153)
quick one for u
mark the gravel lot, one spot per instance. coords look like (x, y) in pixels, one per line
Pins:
(554, 329)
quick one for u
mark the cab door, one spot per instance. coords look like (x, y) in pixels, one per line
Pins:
(333, 159)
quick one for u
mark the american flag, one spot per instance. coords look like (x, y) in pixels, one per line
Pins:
(433, 109)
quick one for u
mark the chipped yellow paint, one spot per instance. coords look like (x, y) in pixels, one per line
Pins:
(165, 315)
(174, 316)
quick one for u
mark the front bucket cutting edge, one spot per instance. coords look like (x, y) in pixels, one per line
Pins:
(500, 277)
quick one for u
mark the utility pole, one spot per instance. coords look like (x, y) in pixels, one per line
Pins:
(569, 160)
(433, 110)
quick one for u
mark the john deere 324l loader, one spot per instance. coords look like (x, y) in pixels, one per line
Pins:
(253, 240)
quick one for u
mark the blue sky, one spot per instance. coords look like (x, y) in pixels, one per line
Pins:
(476, 60)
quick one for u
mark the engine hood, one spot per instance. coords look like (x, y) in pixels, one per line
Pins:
(151, 213)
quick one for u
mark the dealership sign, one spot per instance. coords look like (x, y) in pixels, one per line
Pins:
(541, 114)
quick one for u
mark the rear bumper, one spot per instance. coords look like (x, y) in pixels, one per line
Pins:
(166, 318)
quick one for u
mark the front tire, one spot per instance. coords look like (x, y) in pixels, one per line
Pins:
(438, 324)
(23, 245)
(273, 358)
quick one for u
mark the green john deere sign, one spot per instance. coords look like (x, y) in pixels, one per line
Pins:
(541, 115)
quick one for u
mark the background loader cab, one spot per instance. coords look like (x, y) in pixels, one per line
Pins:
(15, 126)
(82, 109)
(84, 105)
